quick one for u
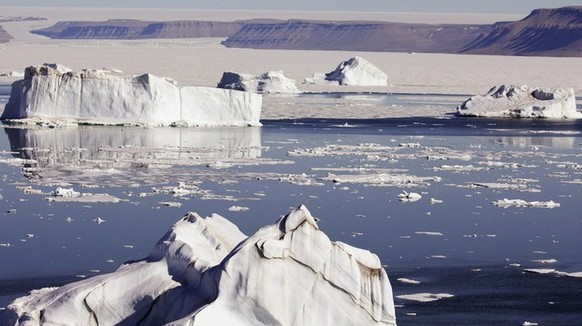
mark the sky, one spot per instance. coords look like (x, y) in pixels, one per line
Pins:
(454, 6)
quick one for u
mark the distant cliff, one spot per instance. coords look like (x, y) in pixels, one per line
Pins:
(137, 29)
(552, 32)
(355, 36)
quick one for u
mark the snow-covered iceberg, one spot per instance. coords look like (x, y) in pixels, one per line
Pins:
(522, 102)
(355, 71)
(57, 93)
(269, 82)
(204, 271)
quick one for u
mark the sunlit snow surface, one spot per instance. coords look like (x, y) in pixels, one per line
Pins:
(487, 257)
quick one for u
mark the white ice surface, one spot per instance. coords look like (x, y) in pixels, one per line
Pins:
(425, 297)
(355, 71)
(204, 271)
(522, 102)
(54, 92)
(269, 82)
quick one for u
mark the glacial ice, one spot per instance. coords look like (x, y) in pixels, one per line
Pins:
(56, 93)
(522, 102)
(204, 271)
(269, 82)
(355, 71)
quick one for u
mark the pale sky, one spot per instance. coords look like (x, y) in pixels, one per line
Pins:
(454, 6)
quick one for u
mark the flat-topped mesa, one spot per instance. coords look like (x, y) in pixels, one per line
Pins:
(522, 102)
(355, 71)
(272, 82)
(204, 271)
(56, 93)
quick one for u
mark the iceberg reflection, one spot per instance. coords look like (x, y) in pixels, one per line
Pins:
(532, 142)
(63, 154)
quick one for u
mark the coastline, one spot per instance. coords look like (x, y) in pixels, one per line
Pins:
(201, 62)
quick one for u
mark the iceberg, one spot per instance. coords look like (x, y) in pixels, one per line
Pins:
(56, 93)
(269, 82)
(204, 271)
(355, 71)
(522, 102)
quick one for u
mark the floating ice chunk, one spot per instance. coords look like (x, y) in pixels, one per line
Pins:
(407, 281)
(409, 196)
(435, 201)
(99, 220)
(65, 192)
(505, 203)
(269, 82)
(357, 71)
(546, 271)
(529, 323)
(540, 270)
(430, 233)
(171, 204)
(425, 297)
(238, 208)
(545, 261)
(522, 102)
(86, 198)
(204, 271)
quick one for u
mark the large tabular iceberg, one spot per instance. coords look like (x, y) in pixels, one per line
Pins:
(54, 92)
(522, 102)
(269, 82)
(204, 271)
(355, 71)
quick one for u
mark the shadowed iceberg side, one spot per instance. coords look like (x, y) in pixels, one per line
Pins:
(204, 271)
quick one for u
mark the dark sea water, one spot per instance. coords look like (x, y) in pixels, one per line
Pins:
(464, 246)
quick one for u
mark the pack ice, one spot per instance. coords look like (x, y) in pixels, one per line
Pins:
(522, 102)
(204, 271)
(54, 92)
(355, 71)
(269, 82)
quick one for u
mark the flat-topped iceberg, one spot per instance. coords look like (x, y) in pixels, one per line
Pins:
(355, 71)
(522, 102)
(204, 271)
(56, 93)
(269, 82)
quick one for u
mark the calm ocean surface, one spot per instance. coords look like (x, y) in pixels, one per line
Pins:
(464, 246)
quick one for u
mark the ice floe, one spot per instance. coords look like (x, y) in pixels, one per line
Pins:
(551, 271)
(425, 297)
(407, 280)
(205, 271)
(505, 203)
(429, 233)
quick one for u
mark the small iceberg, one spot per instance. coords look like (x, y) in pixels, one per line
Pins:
(409, 196)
